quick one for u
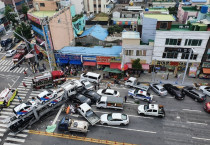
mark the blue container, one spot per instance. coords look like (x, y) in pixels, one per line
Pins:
(204, 9)
(146, 9)
(184, 1)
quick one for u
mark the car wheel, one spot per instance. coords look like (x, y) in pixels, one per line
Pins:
(122, 124)
(105, 124)
(142, 114)
(196, 100)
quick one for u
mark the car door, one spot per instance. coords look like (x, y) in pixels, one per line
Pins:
(191, 94)
(155, 112)
(149, 112)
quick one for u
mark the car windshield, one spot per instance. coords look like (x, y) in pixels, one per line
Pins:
(81, 97)
(88, 85)
(124, 117)
(146, 107)
(175, 88)
(109, 117)
(115, 92)
(50, 91)
(28, 103)
(8, 52)
(162, 89)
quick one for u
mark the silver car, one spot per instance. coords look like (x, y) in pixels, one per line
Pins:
(159, 89)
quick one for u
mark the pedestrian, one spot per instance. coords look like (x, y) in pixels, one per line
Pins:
(29, 63)
(108, 85)
(25, 72)
(20, 100)
(98, 86)
(33, 99)
(24, 84)
(95, 86)
(163, 76)
(167, 76)
(125, 98)
(5, 103)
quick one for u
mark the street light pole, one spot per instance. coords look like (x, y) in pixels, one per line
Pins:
(191, 50)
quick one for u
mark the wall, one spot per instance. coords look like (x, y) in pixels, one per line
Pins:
(49, 5)
(159, 44)
(89, 6)
(18, 3)
(131, 41)
(62, 30)
(148, 29)
(88, 40)
(79, 5)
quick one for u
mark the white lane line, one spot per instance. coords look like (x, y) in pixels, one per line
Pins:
(191, 110)
(7, 143)
(58, 114)
(127, 129)
(196, 123)
(19, 134)
(15, 139)
(127, 114)
(3, 125)
(3, 130)
(21, 94)
(206, 139)
(1, 134)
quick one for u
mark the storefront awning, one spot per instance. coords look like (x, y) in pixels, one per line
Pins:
(206, 70)
(103, 63)
(75, 62)
(89, 63)
(145, 66)
(114, 65)
(107, 69)
(64, 61)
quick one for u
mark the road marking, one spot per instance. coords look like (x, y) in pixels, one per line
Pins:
(127, 129)
(15, 139)
(3, 125)
(9, 85)
(2, 130)
(191, 110)
(7, 143)
(58, 114)
(197, 123)
(84, 139)
(19, 134)
(206, 139)
(21, 94)
(1, 134)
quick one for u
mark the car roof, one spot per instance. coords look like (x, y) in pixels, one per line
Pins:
(19, 107)
(142, 92)
(198, 92)
(153, 106)
(85, 107)
(43, 93)
(93, 74)
(116, 115)
(159, 86)
(4, 92)
(68, 85)
(9, 50)
(110, 91)
(132, 79)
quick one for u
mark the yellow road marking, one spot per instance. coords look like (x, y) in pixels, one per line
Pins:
(3, 58)
(85, 139)
(14, 48)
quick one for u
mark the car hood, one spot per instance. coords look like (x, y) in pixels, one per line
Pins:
(202, 87)
(141, 108)
(99, 91)
(104, 117)
(131, 91)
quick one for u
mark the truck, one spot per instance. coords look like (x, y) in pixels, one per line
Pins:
(110, 102)
(6, 96)
(151, 110)
(48, 79)
(73, 125)
(69, 87)
(86, 111)
(21, 51)
(132, 82)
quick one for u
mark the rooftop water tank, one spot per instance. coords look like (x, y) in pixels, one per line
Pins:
(204, 9)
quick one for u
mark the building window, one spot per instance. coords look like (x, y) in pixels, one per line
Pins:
(94, 5)
(129, 52)
(99, 6)
(186, 55)
(170, 55)
(140, 52)
(173, 41)
(163, 25)
(42, 4)
(208, 57)
(193, 42)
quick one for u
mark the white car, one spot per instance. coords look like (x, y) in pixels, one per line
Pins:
(24, 108)
(10, 53)
(108, 92)
(205, 89)
(78, 84)
(140, 95)
(114, 119)
(88, 85)
(151, 110)
(46, 96)
(159, 89)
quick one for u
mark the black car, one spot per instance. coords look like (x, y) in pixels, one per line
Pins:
(91, 94)
(80, 99)
(9, 46)
(195, 94)
(174, 91)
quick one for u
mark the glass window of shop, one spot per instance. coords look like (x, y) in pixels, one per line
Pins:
(170, 53)
(193, 42)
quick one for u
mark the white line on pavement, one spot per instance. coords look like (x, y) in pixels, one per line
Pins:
(58, 114)
(191, 110)
(7, 143)
(127, 129)
(197, 123)
(2, 129)
(15, 139)
(19, 134)
(206, 139)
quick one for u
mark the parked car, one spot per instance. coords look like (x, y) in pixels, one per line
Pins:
(88, 85)
(151, 110)
(140, 95)
(9, 46)
(5, 42)
(159, 89)
(108, 92)
(78, 84)
(94, 97)
(207, 107)
(114, 119)
(195, 94)
(80, 99)
(205, 89)
(10, 53)
(174, 91)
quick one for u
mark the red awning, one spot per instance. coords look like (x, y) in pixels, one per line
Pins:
(114, 65)
(88, 63)
(206, 70)
(103, 63)
(145, 66)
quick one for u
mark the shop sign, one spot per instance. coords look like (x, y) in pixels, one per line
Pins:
(103, 59)
(206, 65)
(168, 63)
(61, 56)
(34, 19)
(39, 31)
(116, 59)
(89, 58)
(75, 57)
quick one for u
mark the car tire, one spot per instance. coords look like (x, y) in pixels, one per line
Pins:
(105, 124)
(196, 100)
(122, 124)
(142, 114)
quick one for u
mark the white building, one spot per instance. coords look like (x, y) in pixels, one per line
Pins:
(97, 6)
(79, 5)
(2, 18)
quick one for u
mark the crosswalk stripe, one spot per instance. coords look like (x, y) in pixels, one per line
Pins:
(21, 94)
(7, 62)
(15, 139)
(7, 143)
(15, 103)
(11, 106)
(19, 134)
(7, 109)
(19, 69)
(3, 68)
(1, 134)
(22, 89)
(11, 63)
(3, 125)
(6, 69)
(7, 113)
(2, 129)
(15, 70)
(3, 62)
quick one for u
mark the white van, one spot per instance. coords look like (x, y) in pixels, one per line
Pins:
(110, 102)
(90, 76)
(70, 88)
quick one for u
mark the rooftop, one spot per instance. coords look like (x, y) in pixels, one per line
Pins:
(101, 17)
(96, 31)
(42, 14)
(96, 50)
(131, 35)
(160, 17)
(158, 9)
(190, 9)
(199, 1)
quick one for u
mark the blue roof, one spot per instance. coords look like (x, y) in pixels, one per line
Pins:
(198, 1)
(96, 31)
(187, 3)
(96, 51)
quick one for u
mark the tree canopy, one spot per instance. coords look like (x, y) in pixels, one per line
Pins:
(136, 64)
(10, 16)
(25, 9)
(114, 28)
(23, 30)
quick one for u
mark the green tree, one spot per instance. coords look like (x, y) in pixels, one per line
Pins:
(173, 10)
(9, 16)
(136, 64)
(25, 9)
(23, 30)
(110, 30)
